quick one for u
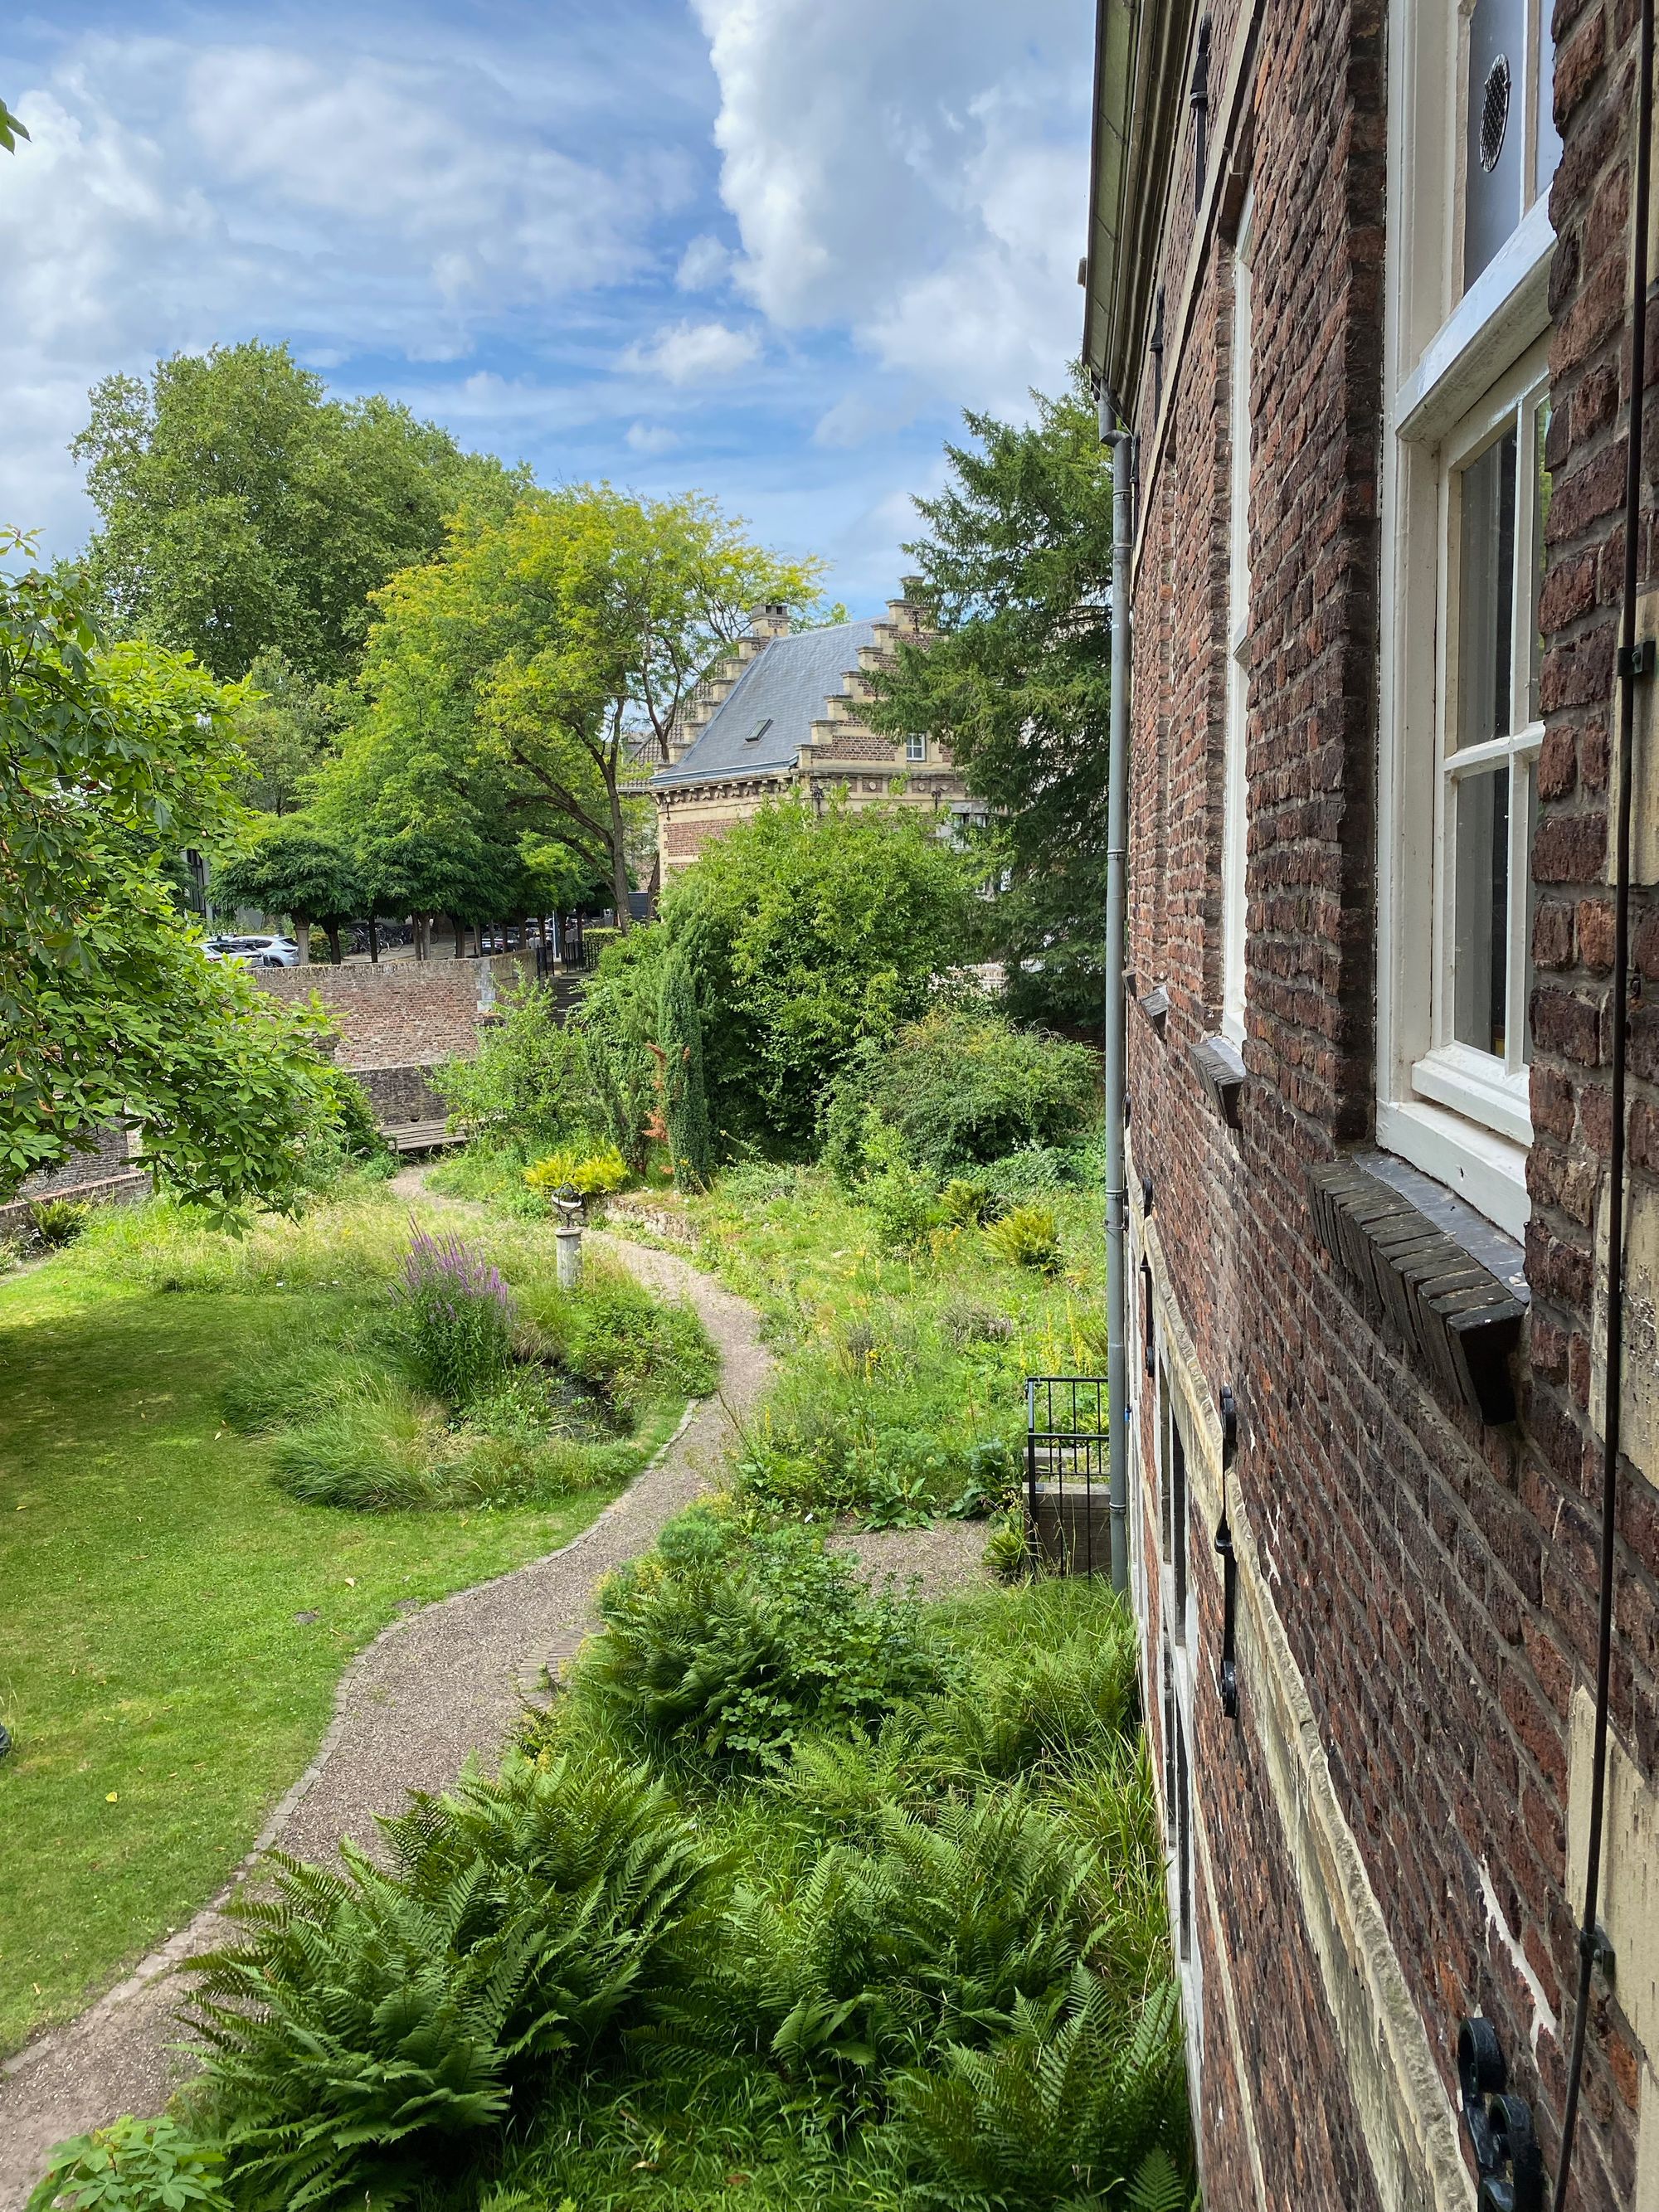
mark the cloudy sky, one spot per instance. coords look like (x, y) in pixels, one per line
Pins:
(770, 248)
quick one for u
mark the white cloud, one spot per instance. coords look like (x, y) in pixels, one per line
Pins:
(652, 438)
(693, 353)
(913, 174)
(703, 265)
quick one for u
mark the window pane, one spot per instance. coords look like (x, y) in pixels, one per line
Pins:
(1486, 614)
(1481, 884)
(1541, 515)
(1495, 144)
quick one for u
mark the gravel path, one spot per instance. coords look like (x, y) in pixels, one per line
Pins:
(937, 1561)
(431, 1690)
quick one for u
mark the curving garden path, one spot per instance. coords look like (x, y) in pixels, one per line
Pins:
(433, 1689)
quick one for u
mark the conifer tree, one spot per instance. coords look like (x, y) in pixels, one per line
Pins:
(685, 1099)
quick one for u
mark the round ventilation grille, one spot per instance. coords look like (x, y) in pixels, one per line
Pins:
(1494, 112)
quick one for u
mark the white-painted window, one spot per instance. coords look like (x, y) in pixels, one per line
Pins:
(1465, 498)
(1235, 807)
(915, 748)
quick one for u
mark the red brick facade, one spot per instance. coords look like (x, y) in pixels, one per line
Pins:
(1380, 1840)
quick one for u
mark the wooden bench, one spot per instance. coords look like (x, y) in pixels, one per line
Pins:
(420, 1136)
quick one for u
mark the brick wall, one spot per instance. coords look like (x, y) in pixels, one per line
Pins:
(400, 1011)
(1435, 1579)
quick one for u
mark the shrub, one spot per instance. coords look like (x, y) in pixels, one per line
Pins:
(724, 1651)
(58, 1221)
(376, 2021)
(808, 935)
(132, 2166)
(457, 1316)
(613, 1335)
(1047, 1682)
(589, 1173)
(961, 1087)
(1028, 1237)
(531, 1078)
(684, 1094)
(1007, 1547)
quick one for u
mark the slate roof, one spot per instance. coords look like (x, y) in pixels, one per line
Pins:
(768, 716)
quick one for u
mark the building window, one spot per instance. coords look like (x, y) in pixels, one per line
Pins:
(1178, 1527)
(1234, 793)
(1496, 503)
(1183, 1827)
(1465, 499)
(915, 748)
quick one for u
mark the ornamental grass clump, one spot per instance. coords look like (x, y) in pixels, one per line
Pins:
(457, 1312)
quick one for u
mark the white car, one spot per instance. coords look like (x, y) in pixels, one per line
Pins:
(254, 951)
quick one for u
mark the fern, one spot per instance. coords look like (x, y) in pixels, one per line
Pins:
(377, 2019)
(1067, 2105)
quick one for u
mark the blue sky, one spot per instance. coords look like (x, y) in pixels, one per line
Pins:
(770, 248)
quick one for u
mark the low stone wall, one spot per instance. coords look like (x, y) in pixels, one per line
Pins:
(99, 1177)
(401, 1094)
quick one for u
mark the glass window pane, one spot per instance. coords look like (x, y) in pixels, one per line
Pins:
(1482, 897)
(1541, 515)
(1495, 143)
(1485, 613)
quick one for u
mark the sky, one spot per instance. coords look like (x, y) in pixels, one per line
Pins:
(770, 249)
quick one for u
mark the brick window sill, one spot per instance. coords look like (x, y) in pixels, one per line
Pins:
(1448, 1283)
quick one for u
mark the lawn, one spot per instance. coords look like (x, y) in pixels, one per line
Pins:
(175, 1626)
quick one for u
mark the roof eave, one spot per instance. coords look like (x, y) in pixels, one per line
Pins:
(1140, 53)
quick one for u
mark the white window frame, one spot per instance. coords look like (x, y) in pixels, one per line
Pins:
(916, 747)
(1451, 359)
(1234, 791)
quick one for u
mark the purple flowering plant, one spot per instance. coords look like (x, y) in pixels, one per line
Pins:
(458, 1314)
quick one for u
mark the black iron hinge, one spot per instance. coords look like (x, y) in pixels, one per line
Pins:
(1507, 2158)
(1636, 660)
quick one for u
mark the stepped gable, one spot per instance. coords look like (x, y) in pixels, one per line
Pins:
(769, 712)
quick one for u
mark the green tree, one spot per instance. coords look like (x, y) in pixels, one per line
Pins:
(243, 510)
(1017, 564)
(285, 730)
(809, 934)
(111, 759)
(538, 666)
(684, 1095)
(294, 867)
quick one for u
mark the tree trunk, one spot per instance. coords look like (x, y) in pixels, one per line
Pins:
(373, 941)
(460, 936)
(541, 930)
(302, 938)
(331, 931)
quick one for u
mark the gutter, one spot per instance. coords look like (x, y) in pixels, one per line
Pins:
(1117, 812)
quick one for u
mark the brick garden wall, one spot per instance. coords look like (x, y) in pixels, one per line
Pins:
(399, 1011)
(1435, 1578)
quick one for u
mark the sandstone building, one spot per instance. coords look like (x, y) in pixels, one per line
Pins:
(1360, 289)
(780, 713)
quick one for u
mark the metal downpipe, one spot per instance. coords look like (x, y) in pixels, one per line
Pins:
(1117, 811)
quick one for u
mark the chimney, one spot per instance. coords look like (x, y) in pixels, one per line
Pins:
(769, 619)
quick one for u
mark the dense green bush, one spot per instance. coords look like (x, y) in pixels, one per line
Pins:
(531, 1081)
(723, 1650)
(961, 1087)
(1026, 1237)
(375, 2023)
(809, 936)
(684, 1092)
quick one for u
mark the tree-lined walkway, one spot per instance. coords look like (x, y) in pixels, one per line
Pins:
(430, 1692)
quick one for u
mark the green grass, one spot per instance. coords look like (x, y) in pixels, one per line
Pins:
(162, 1690)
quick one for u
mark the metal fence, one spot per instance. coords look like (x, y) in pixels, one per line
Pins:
(1067, 1489)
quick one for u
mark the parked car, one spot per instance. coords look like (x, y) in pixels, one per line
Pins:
(254, 951)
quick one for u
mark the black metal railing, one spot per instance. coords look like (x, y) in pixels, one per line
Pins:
(1067, 1487)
